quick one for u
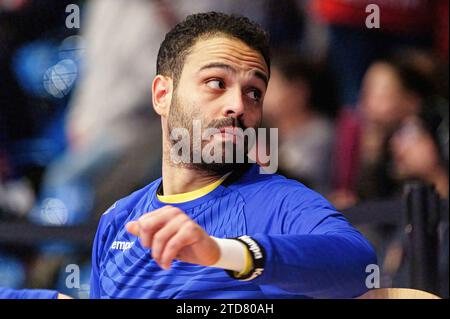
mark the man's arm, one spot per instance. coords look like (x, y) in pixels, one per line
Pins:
(328, 262)
(7, 293)
(170, 233)
(319, 265)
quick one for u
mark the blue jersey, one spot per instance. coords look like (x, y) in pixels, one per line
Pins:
(7, 293)
(311, 250)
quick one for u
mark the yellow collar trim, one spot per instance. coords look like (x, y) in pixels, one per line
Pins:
(185, 197)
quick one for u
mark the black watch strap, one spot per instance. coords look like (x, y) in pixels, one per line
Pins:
(258, 257)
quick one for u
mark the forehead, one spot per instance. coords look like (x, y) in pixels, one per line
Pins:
(227, 50)
(380, 73)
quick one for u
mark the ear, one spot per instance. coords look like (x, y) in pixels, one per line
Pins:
(162, 94)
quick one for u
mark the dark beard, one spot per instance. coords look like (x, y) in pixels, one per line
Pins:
(178, 118)
(219, 169)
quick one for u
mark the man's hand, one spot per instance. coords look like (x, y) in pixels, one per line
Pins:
(171, 234)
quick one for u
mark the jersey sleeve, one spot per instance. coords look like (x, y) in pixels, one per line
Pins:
(97, 248)
(94, 292)
(317, 252)
(7, 293)
(106, 231)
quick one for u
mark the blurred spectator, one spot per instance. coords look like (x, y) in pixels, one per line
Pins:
(417, 156)
(353, 46)
(298, 102)
(399, 132)
(393, 91)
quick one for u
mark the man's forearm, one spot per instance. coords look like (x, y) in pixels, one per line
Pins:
(320, 266)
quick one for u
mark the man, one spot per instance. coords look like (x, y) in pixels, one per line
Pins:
(176, 237)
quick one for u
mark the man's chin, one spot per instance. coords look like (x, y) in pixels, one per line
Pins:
(219, 168)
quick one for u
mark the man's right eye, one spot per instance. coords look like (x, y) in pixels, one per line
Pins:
(216, 84)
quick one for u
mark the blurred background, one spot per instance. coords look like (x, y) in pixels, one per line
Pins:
(362, 112)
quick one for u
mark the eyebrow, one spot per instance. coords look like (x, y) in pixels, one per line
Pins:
(227, 67)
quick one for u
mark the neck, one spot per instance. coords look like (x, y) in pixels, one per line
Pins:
(178, 179)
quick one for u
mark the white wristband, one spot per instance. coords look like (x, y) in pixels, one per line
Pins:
(232, 254)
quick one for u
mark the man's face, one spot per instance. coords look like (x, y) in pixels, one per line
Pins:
(222, 85)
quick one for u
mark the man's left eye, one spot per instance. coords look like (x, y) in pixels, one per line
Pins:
(254, 94)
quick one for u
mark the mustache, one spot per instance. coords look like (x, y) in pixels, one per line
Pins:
(234, 122)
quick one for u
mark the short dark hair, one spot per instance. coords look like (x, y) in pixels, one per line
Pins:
(178, 41)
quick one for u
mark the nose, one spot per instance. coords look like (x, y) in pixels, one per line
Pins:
(234, 106)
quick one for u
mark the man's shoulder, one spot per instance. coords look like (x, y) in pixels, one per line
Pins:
(275, 189)
(257, 184)
(280, 204)
(126, 204)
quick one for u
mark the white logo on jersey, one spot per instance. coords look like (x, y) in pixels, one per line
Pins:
(122, 245)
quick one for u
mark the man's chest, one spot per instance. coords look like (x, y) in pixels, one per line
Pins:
(132, 273)
(127, 269)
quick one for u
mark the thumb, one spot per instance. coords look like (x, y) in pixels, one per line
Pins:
(133, 228)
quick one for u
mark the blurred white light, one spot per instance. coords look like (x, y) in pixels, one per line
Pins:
(59, 79)
(54, 212)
